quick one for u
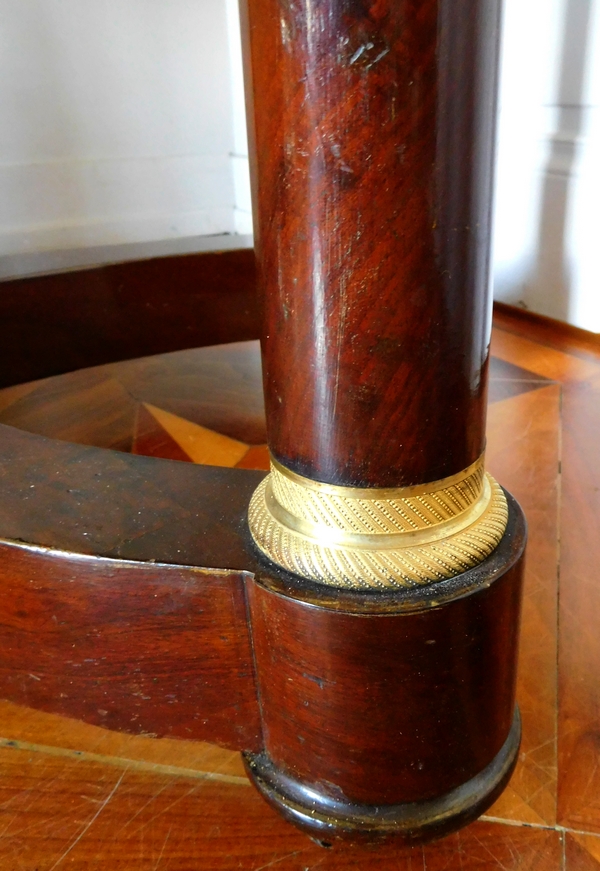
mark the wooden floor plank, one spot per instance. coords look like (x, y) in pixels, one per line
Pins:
(84, 816)
(581, 853)
(20, 724)
(541, 359)
(579, 662)
(523, 453)
(547, 331)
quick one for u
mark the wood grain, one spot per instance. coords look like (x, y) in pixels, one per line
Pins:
(40, 731)
(138, 648)
(219, 388)
(579, 721)
(373, 179)
(151, 440)
(528, 462)
(577, 367)
(547, 331)
(88, 501)
(200, 444)
(394, 707)
(55, 813)
(582, 852)
(540, 359)
(59, 323)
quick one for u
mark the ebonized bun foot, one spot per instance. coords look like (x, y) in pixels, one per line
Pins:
(327, 818)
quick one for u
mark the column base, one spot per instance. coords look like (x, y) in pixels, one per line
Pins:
(326, 818)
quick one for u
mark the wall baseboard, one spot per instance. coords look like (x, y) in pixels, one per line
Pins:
(65, 321)
(39, 263)
(533, 325)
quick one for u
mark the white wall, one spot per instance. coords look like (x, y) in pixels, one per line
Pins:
(116, 122)
(548, 180)
(241, 172)
(123, 121)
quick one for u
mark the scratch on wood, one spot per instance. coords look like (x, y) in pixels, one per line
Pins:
(90, 822)
(496, 859)
(164, 810)
(163, 849)
(143, 807)
(460, 850)
(276, 861)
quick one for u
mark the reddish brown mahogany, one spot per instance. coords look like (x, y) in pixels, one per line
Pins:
(107, 613)
(125, 310)
(163, 650)
(387, 709)
(373, 130)
(372, 126)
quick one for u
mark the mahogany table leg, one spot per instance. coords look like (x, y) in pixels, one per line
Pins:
(385, 623)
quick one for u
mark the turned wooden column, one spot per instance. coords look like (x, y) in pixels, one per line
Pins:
(386, 621)
(374, 129)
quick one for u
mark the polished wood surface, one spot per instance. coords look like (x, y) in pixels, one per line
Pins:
(87, 813)
(372, 131)
(394, 707)
(219, 388)
(125, 310)
(107, 613)
(373, 176)
(59, 775)
(143, 649)
(576, 363)
(529, 462)
(85, 501)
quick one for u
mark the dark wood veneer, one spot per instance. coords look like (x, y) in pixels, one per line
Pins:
(122, 599)
(330, 818)
(58, 323)
(373, 130)
(395, 707)
(136, 647)
(101, 503)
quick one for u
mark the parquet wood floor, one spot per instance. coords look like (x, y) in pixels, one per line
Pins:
(76, 796)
